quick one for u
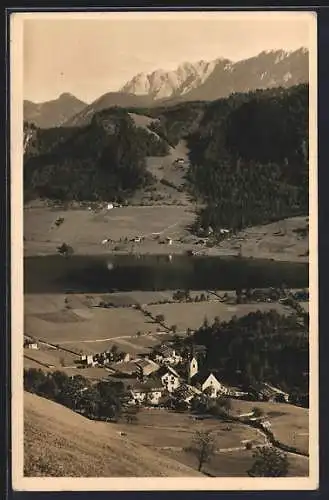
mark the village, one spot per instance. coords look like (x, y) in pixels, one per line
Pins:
(172, 373)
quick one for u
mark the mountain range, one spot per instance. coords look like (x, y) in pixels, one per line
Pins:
(222, 77)
(200, 81)
(52, 113)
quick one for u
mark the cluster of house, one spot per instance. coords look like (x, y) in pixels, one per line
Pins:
(30, 343)
(179, 161)
(150, 381)
(139, 239)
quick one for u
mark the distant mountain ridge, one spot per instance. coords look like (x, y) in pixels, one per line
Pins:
(162, 84)
(221, 77)
(199, 81)
(109, 100)
(52, 113)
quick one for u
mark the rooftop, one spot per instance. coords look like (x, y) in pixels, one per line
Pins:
(164, 369)
(150, 385)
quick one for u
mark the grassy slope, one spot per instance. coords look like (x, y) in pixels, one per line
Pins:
(58, 442)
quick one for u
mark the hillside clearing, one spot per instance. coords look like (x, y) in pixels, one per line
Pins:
(289, 423)
(59, 442)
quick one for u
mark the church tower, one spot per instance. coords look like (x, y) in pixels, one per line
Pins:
(193, 367)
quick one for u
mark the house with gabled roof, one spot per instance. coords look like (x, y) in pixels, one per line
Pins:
(268, 392)
(167, 354)
(146, 367)
(169, 377)
(208, 380)
(149, 392)
(187, 392)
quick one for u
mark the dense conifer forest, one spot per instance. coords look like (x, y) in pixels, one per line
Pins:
(248, 156)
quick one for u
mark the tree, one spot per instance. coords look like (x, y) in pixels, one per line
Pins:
(208, 391)
(174, 329)
(257, 412)
(224, 404)
(159, 318)
(269, 462)
(216, 323)
(205, 323)
(203, 447)
(65, 250)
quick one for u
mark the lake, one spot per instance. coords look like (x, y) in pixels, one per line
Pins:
(100, 274)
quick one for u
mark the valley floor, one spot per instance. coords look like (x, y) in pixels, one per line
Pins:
(85, 231)
(59, 442)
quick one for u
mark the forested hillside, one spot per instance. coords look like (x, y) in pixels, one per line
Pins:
(101, 161)
(249, 158)
(258, 348)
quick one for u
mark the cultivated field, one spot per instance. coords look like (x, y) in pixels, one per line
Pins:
(85, 230)
(86, 324)
(72, 322)
(166, 429)
(191, 315)
(273, 241)
(290, 424)
(172, 432)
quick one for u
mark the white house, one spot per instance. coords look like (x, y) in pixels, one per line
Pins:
(87, 359)
(169, 378)
(235, 392)
(32, 345)
(150, 392)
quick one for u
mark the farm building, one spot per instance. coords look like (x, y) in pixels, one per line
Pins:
(267, 392)
(167, 355)
(169, 378)
(145, 367)
(88, 359)
(187, 392)
(236, 392)
(31, 345)
(139, 367)
(125, 369)
(148, 392)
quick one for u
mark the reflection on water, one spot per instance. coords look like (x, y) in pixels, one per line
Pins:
(147, 272)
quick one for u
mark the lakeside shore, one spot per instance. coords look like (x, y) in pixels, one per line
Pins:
(164, 230)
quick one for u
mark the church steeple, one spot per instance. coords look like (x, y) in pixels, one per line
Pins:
(193, 366)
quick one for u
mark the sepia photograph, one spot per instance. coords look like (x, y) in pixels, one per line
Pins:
(164, 250)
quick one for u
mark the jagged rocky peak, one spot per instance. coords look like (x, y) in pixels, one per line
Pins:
(190, 77)
(162, 83)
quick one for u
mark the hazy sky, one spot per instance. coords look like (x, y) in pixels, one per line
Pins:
(89, 57)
